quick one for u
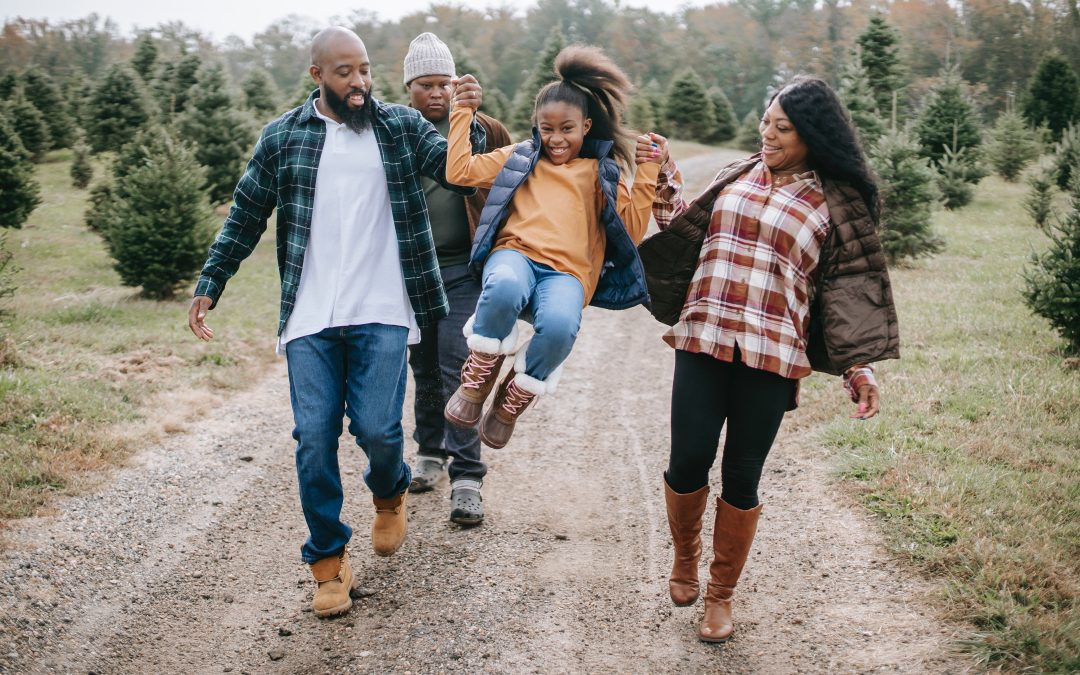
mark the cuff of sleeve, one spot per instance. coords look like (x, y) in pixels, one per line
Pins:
(667, 171)
(856, 377)
(209, 288)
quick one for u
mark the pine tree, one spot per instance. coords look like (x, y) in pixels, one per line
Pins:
(20, 193)
(174, 83)
(658, 99)
(495, 104)
(117, 110)
(9, 84)
(689, 114)
(98, 214)
(953, 180)
(82, 171)
(858, 98)
(464, 64)
(1052, 280)
(1013, 145)
(909, 193)
(387, 91)
(304, 86)
(8, 270)
(145, 59)
(1053, 96)
(223, 136)
(1039, 201)
(43, 94)
(749, 137)
(726, 125)
(948, 119)
(520, 122)
(879, 56)
(260, 94)
(639, 116)
(29, 125)
(159, 220)
(1067, 156)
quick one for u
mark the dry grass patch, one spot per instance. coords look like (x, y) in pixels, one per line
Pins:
(974, 464)
(87, 361)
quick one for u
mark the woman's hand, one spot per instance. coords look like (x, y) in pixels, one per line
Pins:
(868, 402)
(467, 92)
(651, 148)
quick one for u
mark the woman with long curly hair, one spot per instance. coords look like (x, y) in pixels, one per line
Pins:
(790, 278)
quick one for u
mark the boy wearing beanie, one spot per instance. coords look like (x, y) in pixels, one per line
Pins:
(436, 361)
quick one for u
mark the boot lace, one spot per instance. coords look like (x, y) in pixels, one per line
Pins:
(478, 369)
(516, 399)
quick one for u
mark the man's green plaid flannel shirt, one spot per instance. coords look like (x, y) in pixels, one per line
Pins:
(281, 175)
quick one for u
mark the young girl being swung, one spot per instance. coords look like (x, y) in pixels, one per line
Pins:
(558, 232)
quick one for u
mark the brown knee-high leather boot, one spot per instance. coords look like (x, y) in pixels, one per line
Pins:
(684, 518)
(732, 538)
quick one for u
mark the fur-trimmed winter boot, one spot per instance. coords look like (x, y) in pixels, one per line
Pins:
(479, 374)
(733, 535)
(516, 392)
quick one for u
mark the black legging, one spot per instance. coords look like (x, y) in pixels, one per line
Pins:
(707, 392)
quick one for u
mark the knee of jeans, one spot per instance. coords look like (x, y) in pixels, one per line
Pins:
(560, 326)
(502, 285)
(371, 433)
(317, 433)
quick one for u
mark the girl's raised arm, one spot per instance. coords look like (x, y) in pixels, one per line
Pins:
(463, 167)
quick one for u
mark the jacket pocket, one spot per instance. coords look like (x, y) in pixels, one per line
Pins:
(855, 318)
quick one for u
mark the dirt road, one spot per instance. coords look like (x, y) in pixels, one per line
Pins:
(187, 559)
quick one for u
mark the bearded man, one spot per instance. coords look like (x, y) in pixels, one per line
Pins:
(359, 279)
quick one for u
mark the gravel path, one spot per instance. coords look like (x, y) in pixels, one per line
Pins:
(188, 559)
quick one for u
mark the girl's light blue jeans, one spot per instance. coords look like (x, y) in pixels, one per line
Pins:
(552, 301)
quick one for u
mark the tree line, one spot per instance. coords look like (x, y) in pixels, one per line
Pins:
(187, 111)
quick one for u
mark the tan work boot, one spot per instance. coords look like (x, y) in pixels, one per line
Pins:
(684, 518)
(478, 376)
(335, 578)
(391, 522)
(510, 401)
(733, 535)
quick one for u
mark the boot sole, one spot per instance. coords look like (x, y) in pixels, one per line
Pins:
(466, 520)
(715, 640)
(684, 604)
(343, 607)
(334, 611)
(488, 442)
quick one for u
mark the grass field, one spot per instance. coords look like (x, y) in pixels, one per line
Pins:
(973, 468)
(91, 358)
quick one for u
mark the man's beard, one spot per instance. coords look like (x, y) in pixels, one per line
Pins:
(356, 119)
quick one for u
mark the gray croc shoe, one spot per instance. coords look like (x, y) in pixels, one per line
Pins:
(466, 504)
(429, 472)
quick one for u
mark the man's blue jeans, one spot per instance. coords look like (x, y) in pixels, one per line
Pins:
(512, 283)
(436, 366)
(357, 371)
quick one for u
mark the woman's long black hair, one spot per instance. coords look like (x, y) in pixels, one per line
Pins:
(824, 125)
(589, 80)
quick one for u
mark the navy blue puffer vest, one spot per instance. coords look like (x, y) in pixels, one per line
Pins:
(622, 280)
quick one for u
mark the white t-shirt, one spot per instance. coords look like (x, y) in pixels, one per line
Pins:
(352, 267)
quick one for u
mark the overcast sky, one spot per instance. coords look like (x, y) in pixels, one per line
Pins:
(219, 18)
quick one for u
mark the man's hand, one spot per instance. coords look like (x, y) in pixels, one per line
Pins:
(467, 92)
(868, 402)
(200, 305)
(651, 148)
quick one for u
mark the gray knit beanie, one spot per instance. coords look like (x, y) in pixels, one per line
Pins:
(428, 55)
